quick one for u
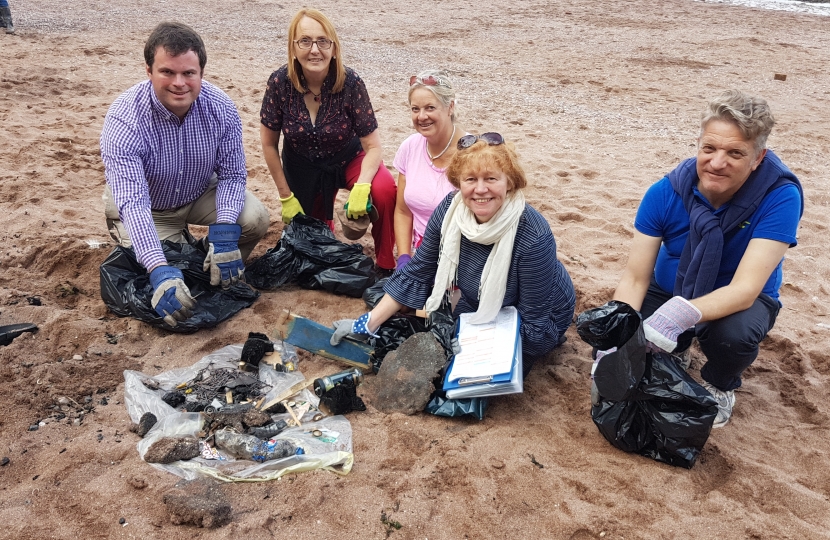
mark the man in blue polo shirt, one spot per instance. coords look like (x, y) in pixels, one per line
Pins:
(706, 259)
(173, 156)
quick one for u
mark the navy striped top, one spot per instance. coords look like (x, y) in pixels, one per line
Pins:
(537, 284)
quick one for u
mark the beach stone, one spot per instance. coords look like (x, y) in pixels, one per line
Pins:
(145, 424)
(170, 449)
(137, 482)
(199, 502)
(405, 377)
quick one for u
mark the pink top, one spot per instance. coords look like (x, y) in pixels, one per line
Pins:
(426, 184)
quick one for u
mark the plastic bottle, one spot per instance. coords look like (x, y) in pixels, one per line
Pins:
(249, 447)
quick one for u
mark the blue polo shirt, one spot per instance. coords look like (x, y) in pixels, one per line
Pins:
(662, 214)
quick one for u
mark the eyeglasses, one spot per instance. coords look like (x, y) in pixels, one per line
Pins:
(491, 138)
(306, 43)
(427, 81)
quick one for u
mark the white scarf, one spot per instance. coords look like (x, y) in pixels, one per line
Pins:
(500, 231)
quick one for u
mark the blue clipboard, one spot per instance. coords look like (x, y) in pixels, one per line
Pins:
(510, 382)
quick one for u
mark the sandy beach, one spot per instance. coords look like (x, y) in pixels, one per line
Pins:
(601, 99)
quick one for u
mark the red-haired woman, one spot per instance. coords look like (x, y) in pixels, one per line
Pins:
(485, 240)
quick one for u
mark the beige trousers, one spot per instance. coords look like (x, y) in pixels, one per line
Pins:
(171, 224)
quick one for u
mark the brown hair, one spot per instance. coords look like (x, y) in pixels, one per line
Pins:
(483, 157)
(294, 68)
(176, 38)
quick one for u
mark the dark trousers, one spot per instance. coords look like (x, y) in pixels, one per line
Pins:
(730, 344)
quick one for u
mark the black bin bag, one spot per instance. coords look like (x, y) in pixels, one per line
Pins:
(666, 415)
(126, 289)
(309, 255)
(373, 294)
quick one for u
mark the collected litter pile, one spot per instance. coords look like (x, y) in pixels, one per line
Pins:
(217, 418)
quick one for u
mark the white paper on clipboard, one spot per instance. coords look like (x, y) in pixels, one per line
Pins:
(486, 349)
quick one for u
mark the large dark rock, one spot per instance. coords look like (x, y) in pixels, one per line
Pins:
(405, 379)
(170, 449)
(200, 502)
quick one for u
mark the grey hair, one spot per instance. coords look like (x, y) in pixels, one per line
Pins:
(443, 90)
(751, 115)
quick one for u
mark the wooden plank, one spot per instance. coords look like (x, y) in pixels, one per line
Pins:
(314, 338)
(287, 394)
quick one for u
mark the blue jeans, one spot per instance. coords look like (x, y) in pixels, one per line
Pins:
(730, 344)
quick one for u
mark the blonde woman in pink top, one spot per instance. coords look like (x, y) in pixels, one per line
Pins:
(423, 157)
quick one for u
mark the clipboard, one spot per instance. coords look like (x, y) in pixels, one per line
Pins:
(481, 385)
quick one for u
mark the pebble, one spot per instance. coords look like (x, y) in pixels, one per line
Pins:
(122, 521)
(5, 461)
(77, 357)
(602, 534)
(34, 427)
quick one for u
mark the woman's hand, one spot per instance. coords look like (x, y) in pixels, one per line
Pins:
(358, 201)
(290, 208)
(358, 328)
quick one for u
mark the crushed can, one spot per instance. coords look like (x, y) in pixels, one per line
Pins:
(324, 384)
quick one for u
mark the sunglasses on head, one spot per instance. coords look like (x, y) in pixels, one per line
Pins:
(427, 81)
(491, 138)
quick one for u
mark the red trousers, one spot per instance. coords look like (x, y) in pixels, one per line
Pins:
(384, 194)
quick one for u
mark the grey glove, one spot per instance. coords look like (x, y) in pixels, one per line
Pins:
(353, 328)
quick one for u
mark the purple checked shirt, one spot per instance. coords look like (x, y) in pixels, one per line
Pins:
(153, 161)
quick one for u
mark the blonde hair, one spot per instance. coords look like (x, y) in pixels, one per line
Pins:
(483, 157)
(443, 91)
(294, 68)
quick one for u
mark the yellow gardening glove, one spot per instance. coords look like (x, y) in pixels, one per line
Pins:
(290, 208)
(358, 200)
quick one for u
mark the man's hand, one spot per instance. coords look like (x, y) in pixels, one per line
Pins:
(171, 297)
(350, 327)
(358, 200)
(224, 258)
(290, 208)
(669, 321)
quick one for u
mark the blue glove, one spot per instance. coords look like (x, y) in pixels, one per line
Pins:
(224, 258)
(355, 329)
(171, 297)
(403, 260)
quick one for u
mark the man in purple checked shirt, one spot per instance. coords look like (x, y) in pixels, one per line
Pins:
(173, 155)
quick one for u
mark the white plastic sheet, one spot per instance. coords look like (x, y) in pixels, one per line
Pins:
(332, 452)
